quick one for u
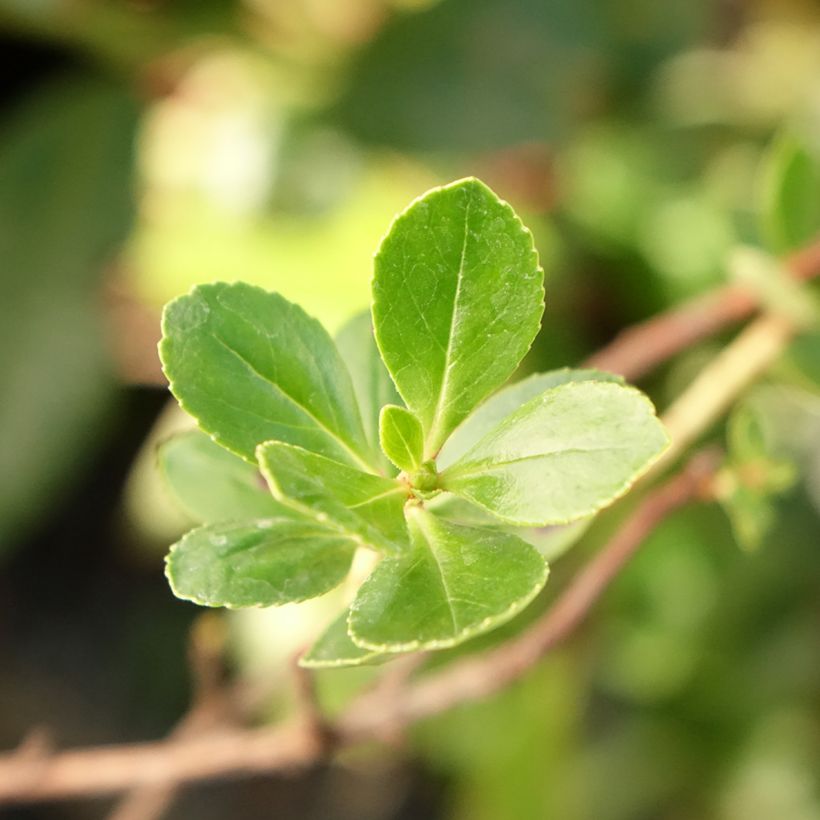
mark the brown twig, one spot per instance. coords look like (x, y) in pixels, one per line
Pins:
(639, 349)
(242, 752)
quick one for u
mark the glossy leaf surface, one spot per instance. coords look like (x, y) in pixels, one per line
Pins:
(562, 456)
(457, 300)
(250, 366)
(454, 583)
(507, 401)
(267, 562)
(401, 437)
(363, 506)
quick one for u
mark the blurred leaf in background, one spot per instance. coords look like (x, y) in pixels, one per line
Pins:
(65, 207)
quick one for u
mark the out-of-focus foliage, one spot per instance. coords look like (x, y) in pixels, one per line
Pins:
(65, 206)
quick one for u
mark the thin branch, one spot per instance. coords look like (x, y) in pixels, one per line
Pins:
(720, 382)
(242, 752)
(639, 349)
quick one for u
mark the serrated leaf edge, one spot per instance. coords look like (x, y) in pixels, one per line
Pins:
(603, 503)
(201, 602)
(482, 626)
(398, 218)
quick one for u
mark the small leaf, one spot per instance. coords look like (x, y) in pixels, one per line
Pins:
(457, 300)
(267, 562)
(250, 366)
(401, 437)
(210, 484)
(507, 401)
(562, 456)
(371, 381)
(363, 506)
(790, 207)
(455, 583)
(334, 648)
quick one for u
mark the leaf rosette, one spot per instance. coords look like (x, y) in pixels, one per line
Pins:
(394, 439)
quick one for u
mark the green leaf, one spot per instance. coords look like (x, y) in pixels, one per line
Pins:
(250, 366)
(371, 381)
(363, 506)
(551, 541)
(457, 300)
(562, 456)
(790, 208)
(507, 401)
(334, 648)
(455, 582)
(210, 484)
(267, 562)
(401, 437)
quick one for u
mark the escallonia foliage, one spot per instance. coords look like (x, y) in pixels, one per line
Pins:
(393, 439)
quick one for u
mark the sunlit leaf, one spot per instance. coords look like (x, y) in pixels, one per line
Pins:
(562, 456)
(506, 401)
(454, 583)
(363, 506)
(250, 366)
(457, 300)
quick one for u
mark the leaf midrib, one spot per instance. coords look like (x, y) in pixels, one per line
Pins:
(448, 362)
(276, 386)
(447, 594)
(473, 467)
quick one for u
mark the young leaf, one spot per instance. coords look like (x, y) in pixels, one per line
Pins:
(507, 401)
(401, 437)
(371, 381)
(267, 562)
(334, 648)
(210, 484)
(457, 300)
(562, 456)
(363, 506)
(250, 366)
(454, 583)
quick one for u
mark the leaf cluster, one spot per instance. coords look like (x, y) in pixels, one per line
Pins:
(392, 440)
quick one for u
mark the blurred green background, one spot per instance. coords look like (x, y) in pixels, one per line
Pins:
(147, 145)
